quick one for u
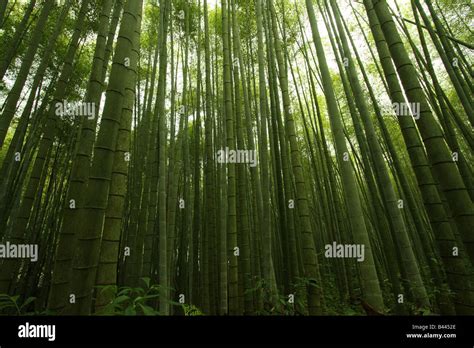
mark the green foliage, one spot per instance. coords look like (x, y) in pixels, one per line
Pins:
(281, 304)
(139, 300)
(14, 305)
(191, 310)
(303, 162)
(131, 300)
(10, 304)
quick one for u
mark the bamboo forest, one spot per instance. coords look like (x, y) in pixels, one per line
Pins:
(236, 157)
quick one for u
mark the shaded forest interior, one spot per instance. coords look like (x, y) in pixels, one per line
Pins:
(236, 157)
